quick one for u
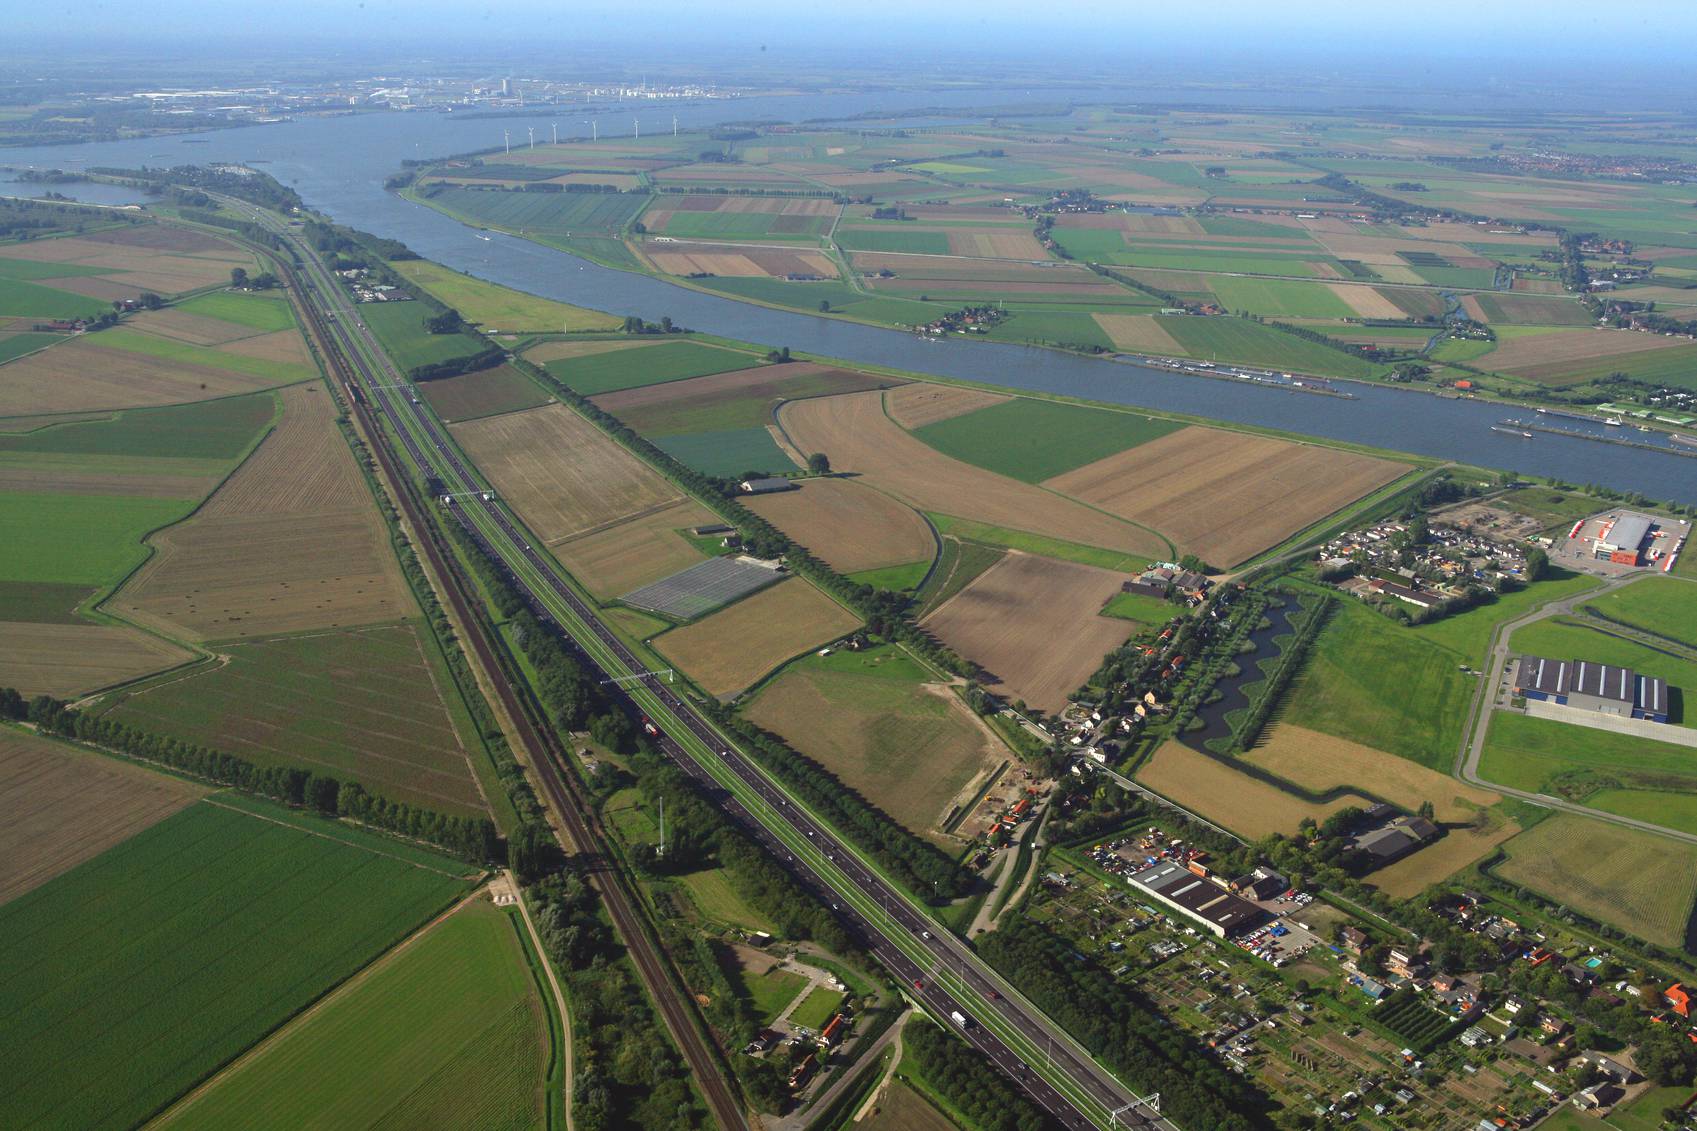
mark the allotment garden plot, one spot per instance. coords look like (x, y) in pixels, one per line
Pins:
(126, 980)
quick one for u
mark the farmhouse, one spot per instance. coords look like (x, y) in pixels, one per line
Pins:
(1172, 884)
(1603, 688)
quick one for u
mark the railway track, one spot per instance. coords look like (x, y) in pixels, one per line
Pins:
(546, 755)
(946, 977)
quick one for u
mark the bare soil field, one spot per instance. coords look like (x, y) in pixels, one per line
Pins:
(1032, 624)
(60, 476)
(291, 541)
(62, 805)
(848, 525)
(900, 1108)
(744, 262)
(1319, 762)
(853, 430)
(996, 245)
(65, 660)
(1250, 808)
(195, 329)
(279, 345)
(79, 376)
(1226, 495)
(1528, 352)
(1139, 333)
(916, 405)
(1458, 848)
(635, 552)
(181, 241)
(747, 395)
(728, 651)
(560, 472)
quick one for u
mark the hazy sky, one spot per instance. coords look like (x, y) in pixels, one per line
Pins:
(1350, 29)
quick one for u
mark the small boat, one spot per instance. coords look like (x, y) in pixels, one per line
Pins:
(485, 239)
(1612, 423)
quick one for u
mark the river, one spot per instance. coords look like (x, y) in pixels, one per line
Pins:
(338, 165)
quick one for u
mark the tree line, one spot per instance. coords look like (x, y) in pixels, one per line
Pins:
(966, 1080)
(471, 838)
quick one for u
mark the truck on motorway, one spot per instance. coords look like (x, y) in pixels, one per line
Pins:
(961, 1019)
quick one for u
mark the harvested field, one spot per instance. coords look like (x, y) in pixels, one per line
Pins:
(848, 525)
(488, 392)
(79, 376)
(562, 474)
(1138, 333)
(292, 541)
(558, 350)
(853, 430)
(1226, 496)
(64, 805)
(1320, 762)
(52, 475)
(1006, 244)
(900, 1108)
(361, 705)
(909, 746)
(1031, 623)
(635, 552)
(195, 329)
(1250, 808)
(1527, 309)
(285, 346)
(693, 258)
(1366, 301)
(67, 659)
(1532, 354)
(916, 405)
(730, 650)
(1637, 881)
(159, 237)
(1458, 849)
(740, 398)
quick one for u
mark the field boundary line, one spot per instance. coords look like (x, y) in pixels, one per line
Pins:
(559, 995)
(326, 836)
(333, 994)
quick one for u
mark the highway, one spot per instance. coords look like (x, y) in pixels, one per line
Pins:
(940, 973)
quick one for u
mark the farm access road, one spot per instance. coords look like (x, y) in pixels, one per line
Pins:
(944, 974)
(1487, 695)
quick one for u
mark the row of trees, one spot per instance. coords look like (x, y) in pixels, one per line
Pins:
(968, 1082)
(472, 838)
(1291, 659)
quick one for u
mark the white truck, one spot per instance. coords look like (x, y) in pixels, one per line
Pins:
(961, 1019)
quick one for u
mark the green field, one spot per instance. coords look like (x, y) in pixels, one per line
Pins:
(1637, 881)
(584, 223)
(692, 224)
(1279, 298)
(1140, 608)
(1541, 755)
(771, 992)
(971, 531)
(1676, 366)
(258, 310)
(817, 1008)
(126, 980)
(1585, 638)
(34, 300)
(42, 602)
(400, 327)
(1241, 341)
(1654, 604)
(1373, 681)
(352, 704)
(1033, 440)
(497, 308)
(893, 239)
(211, 430)
(78, 539)
(1468, 633)
(896, 578)
(16, 345)
(717, 898)
(726, 452)
(450, 1030)
(640, 365)
(487, 392)
(1071, 329)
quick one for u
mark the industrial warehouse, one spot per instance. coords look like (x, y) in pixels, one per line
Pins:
(1176, 886)
(1626, 540)
(1604, 688)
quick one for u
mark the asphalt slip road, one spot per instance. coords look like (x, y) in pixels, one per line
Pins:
(940, 973)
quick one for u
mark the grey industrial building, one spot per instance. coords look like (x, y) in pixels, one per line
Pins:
(1177, 887)
(1603, 688)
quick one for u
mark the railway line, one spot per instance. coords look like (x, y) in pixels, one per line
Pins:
(939, 971)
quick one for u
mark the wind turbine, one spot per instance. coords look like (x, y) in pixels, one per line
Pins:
(636, 128)
(674, 125)
(507, 139)
(556, 126)
(594, 130)
(532, 131)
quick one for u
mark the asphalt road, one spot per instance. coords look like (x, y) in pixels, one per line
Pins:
(941, 974)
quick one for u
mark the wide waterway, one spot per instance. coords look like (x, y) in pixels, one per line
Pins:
(338, 166)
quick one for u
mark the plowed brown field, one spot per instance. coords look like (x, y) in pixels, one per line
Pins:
(642, 549)
(1226, 496)
(292, 541)
(60, 805)
(853, 430)
(562, 474)
(1032, 624)
(848, 525)
(67, 659)
(78, 376)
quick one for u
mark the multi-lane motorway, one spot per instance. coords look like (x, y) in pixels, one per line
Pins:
(939, 971)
